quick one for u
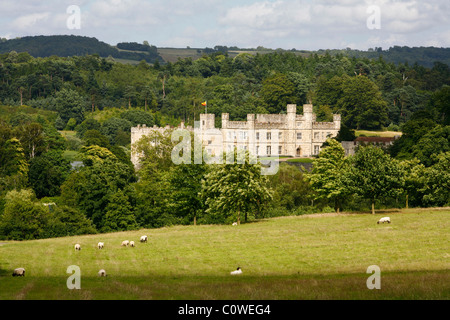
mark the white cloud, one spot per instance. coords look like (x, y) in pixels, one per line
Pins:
(26, 22)
(303, 24)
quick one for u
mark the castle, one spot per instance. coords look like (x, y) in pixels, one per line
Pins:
(264, 135)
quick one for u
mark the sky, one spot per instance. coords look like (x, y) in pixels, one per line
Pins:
(286, 24)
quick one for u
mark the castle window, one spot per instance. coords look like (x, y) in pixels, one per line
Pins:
(269, 150)
(316, 135)
(269, 136)
(316, 149)
(280, 149)
(257, 150)
(280, 135)
(299, 136)
(257, 136)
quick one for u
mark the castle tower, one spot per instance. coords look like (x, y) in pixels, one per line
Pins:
(207, 121)
(337, 121)
(308, 116)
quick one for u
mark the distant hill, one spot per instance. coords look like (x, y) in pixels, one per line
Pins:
(64, 46)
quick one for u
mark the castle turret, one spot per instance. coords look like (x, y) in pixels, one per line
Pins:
(337, 121)
(207, 121)
(291, 113)
(308, 116)
(225, 119)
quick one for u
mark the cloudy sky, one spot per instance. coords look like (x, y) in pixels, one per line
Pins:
(287, 24)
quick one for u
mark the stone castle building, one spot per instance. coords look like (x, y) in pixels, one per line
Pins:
(263, 135)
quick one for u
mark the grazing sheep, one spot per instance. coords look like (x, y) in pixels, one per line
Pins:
(77, 247)
(237, 271)
(234, 223)
(102, 273)
(143, 239)
(125, 243)
(100, 245)
(19, 272)
(383, 220)
(131, 243)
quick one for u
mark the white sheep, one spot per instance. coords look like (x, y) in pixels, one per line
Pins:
(77, 247)
(234, 224)
(143, 239)
(102, 273)
(19, 272)
(237, 271)
(125, 243)
(131, 243)
(100, 245)
(383, 220)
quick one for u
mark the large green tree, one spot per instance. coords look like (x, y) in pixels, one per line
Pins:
(329, 177)
(235, 190)
(361, 104)
(374, 174)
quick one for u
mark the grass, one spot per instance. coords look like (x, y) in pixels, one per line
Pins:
(368, 133)
(301, 160)
(321, 256)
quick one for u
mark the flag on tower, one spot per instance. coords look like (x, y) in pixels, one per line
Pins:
(204, 104)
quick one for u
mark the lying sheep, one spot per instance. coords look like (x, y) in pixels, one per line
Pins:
(102, 273)
(383, 220)
(19, 272)
(234, 224)
(125, 243)
(77, 247)
(100, 245)
(143, 239)
(131, 243)
(237, 271)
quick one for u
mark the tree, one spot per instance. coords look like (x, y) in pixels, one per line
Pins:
(277, 91)
(328, 177)
(291, 187)
(13, 166)
(230, 190)
(374, 174)
(119, 214)
(23, 217)
(89, 188)
(66, 221)
(47, 172)
(412, 179)
(436, 188)
(130, 93)
(70, 104)
(31, 136)
(361, 104)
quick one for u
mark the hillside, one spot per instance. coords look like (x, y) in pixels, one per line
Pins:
(322, 256)
(65, 46)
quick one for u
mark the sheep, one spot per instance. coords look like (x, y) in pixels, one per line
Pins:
(19, 272)
(102, 273)
(131, 243)
(234, 224)
(237, 271)
(77, 247)
(100, 245)
(143, 239)
(383, 220)
(125, 243)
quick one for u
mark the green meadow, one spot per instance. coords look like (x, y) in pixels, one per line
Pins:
(320, 256)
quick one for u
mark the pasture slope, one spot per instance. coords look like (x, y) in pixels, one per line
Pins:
(321, 256)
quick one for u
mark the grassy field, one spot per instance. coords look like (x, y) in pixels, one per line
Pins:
(322, 256)
(377, 133)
